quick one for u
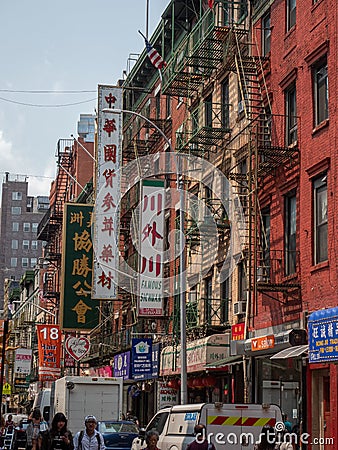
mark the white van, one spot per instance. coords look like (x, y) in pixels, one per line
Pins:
(42, 401)
(231, 426)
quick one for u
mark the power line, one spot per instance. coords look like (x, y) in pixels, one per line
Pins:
(46, 106)
(25, 175)
(17, 91)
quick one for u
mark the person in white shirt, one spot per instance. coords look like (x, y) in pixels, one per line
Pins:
(90, 438)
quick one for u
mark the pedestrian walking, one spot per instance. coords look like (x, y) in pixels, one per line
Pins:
(9, 424)
(58, 437)
(36, 425)
(267, 439)
(89, 438)
(201, 441)
(152, 438)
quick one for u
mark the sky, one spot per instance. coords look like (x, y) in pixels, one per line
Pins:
(68, 45)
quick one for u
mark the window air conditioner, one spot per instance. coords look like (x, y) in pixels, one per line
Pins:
(239, 308)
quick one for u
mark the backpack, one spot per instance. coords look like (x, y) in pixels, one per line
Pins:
(81, 437)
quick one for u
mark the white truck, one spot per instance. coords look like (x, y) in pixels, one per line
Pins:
(42, 401)
(78, 396)
(228, 426)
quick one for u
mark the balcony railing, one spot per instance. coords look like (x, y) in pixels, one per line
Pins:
(207, 313)
(278, 270)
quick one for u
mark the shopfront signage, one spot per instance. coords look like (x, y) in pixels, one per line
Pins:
(122, 365)
(323, 336)
(262, 343)
(238, 331)
(23, 361)
(49, 344)
(141, 359)
(166, 396)
(78, 311)
(199, 353)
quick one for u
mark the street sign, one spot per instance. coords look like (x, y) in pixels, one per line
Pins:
(6, 389)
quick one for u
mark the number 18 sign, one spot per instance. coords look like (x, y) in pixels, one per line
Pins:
(49, 342)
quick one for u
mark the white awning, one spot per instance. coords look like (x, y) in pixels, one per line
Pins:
(291, 352)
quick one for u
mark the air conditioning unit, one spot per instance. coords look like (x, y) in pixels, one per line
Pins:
(239, 307)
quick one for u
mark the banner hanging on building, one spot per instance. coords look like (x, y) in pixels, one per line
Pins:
(23, 361)
(151, 248)
(49, 343)
(78, 311)
(141, 359)
(106, 223)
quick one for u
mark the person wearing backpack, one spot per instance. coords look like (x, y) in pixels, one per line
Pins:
(58, 437)
(89, 438)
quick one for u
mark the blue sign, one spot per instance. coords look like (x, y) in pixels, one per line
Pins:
(122, 365)
(323, 336)
(191, 416)
(156, 352)
(141, 359)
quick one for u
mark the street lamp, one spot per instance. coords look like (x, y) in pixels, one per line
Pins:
(180, 187)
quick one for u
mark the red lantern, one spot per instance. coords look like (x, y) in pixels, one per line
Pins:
(198, 383)
(171, 384)
(190, 383)
(174, 384)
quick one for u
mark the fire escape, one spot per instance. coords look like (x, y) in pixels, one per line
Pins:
(50, 227)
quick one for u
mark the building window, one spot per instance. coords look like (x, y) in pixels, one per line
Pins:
(225, 297)
(26, 226)
(34, 245)
(320, 219)
(34, 262)
(16, 195)
(291, 115)
(15, 244)
(266, 34)
(321, 92)
(168, 105)
(290, 233)
(16, 210)
(225, 104)
(208, 111)
(15, 226)
(263, 271)
(290, 14)
(35, 227)
(242, 282)
(25, 262)
(158, 106)
(25, 244)
(14, 262)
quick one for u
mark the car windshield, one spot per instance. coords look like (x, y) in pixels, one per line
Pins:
(118, 427)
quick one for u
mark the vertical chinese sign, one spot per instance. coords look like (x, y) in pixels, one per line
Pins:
(49, 343)
(78, 311)
(106, 221)
(151, 248)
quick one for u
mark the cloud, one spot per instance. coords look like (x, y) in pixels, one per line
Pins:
(8, 159)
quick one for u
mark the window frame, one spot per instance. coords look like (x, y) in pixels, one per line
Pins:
(16, 210)
(25, 244)
(319, 185)
(290, 233)
(291, 14)
(266, 34)
(320, 107)
(25, 262)
(25, 228)
(15, 227)
(15, 244)
(225, 103)
(291, 114)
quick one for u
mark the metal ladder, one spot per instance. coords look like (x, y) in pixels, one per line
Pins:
(8, 440)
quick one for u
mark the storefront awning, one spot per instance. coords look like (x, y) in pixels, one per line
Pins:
(225, 362)
(291, 352)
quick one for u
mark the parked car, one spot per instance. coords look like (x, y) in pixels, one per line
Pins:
(118, 434)
(19, 438)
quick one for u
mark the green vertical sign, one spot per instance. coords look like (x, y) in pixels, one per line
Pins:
(78, 310)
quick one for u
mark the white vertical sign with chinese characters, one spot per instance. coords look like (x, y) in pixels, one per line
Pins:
(106, 214)
(151, 248)
(23, 361)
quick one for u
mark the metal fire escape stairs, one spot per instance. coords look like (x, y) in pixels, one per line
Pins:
(264, 150)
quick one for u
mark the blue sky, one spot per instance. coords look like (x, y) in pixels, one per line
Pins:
(59, 46)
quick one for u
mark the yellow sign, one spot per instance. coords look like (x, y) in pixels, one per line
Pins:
(6, 389)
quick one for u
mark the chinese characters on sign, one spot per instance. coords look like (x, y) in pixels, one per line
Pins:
(238, 331)
(262, 343)
(141, 359)
(23, 361)
(122, 365)
(106, 234)
(78, 311)
(49, 343)
(323, 336)
(151, 248)
(166, 396)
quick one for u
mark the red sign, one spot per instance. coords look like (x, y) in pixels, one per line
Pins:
(262, 343)
(49, 342)
(238, 332)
